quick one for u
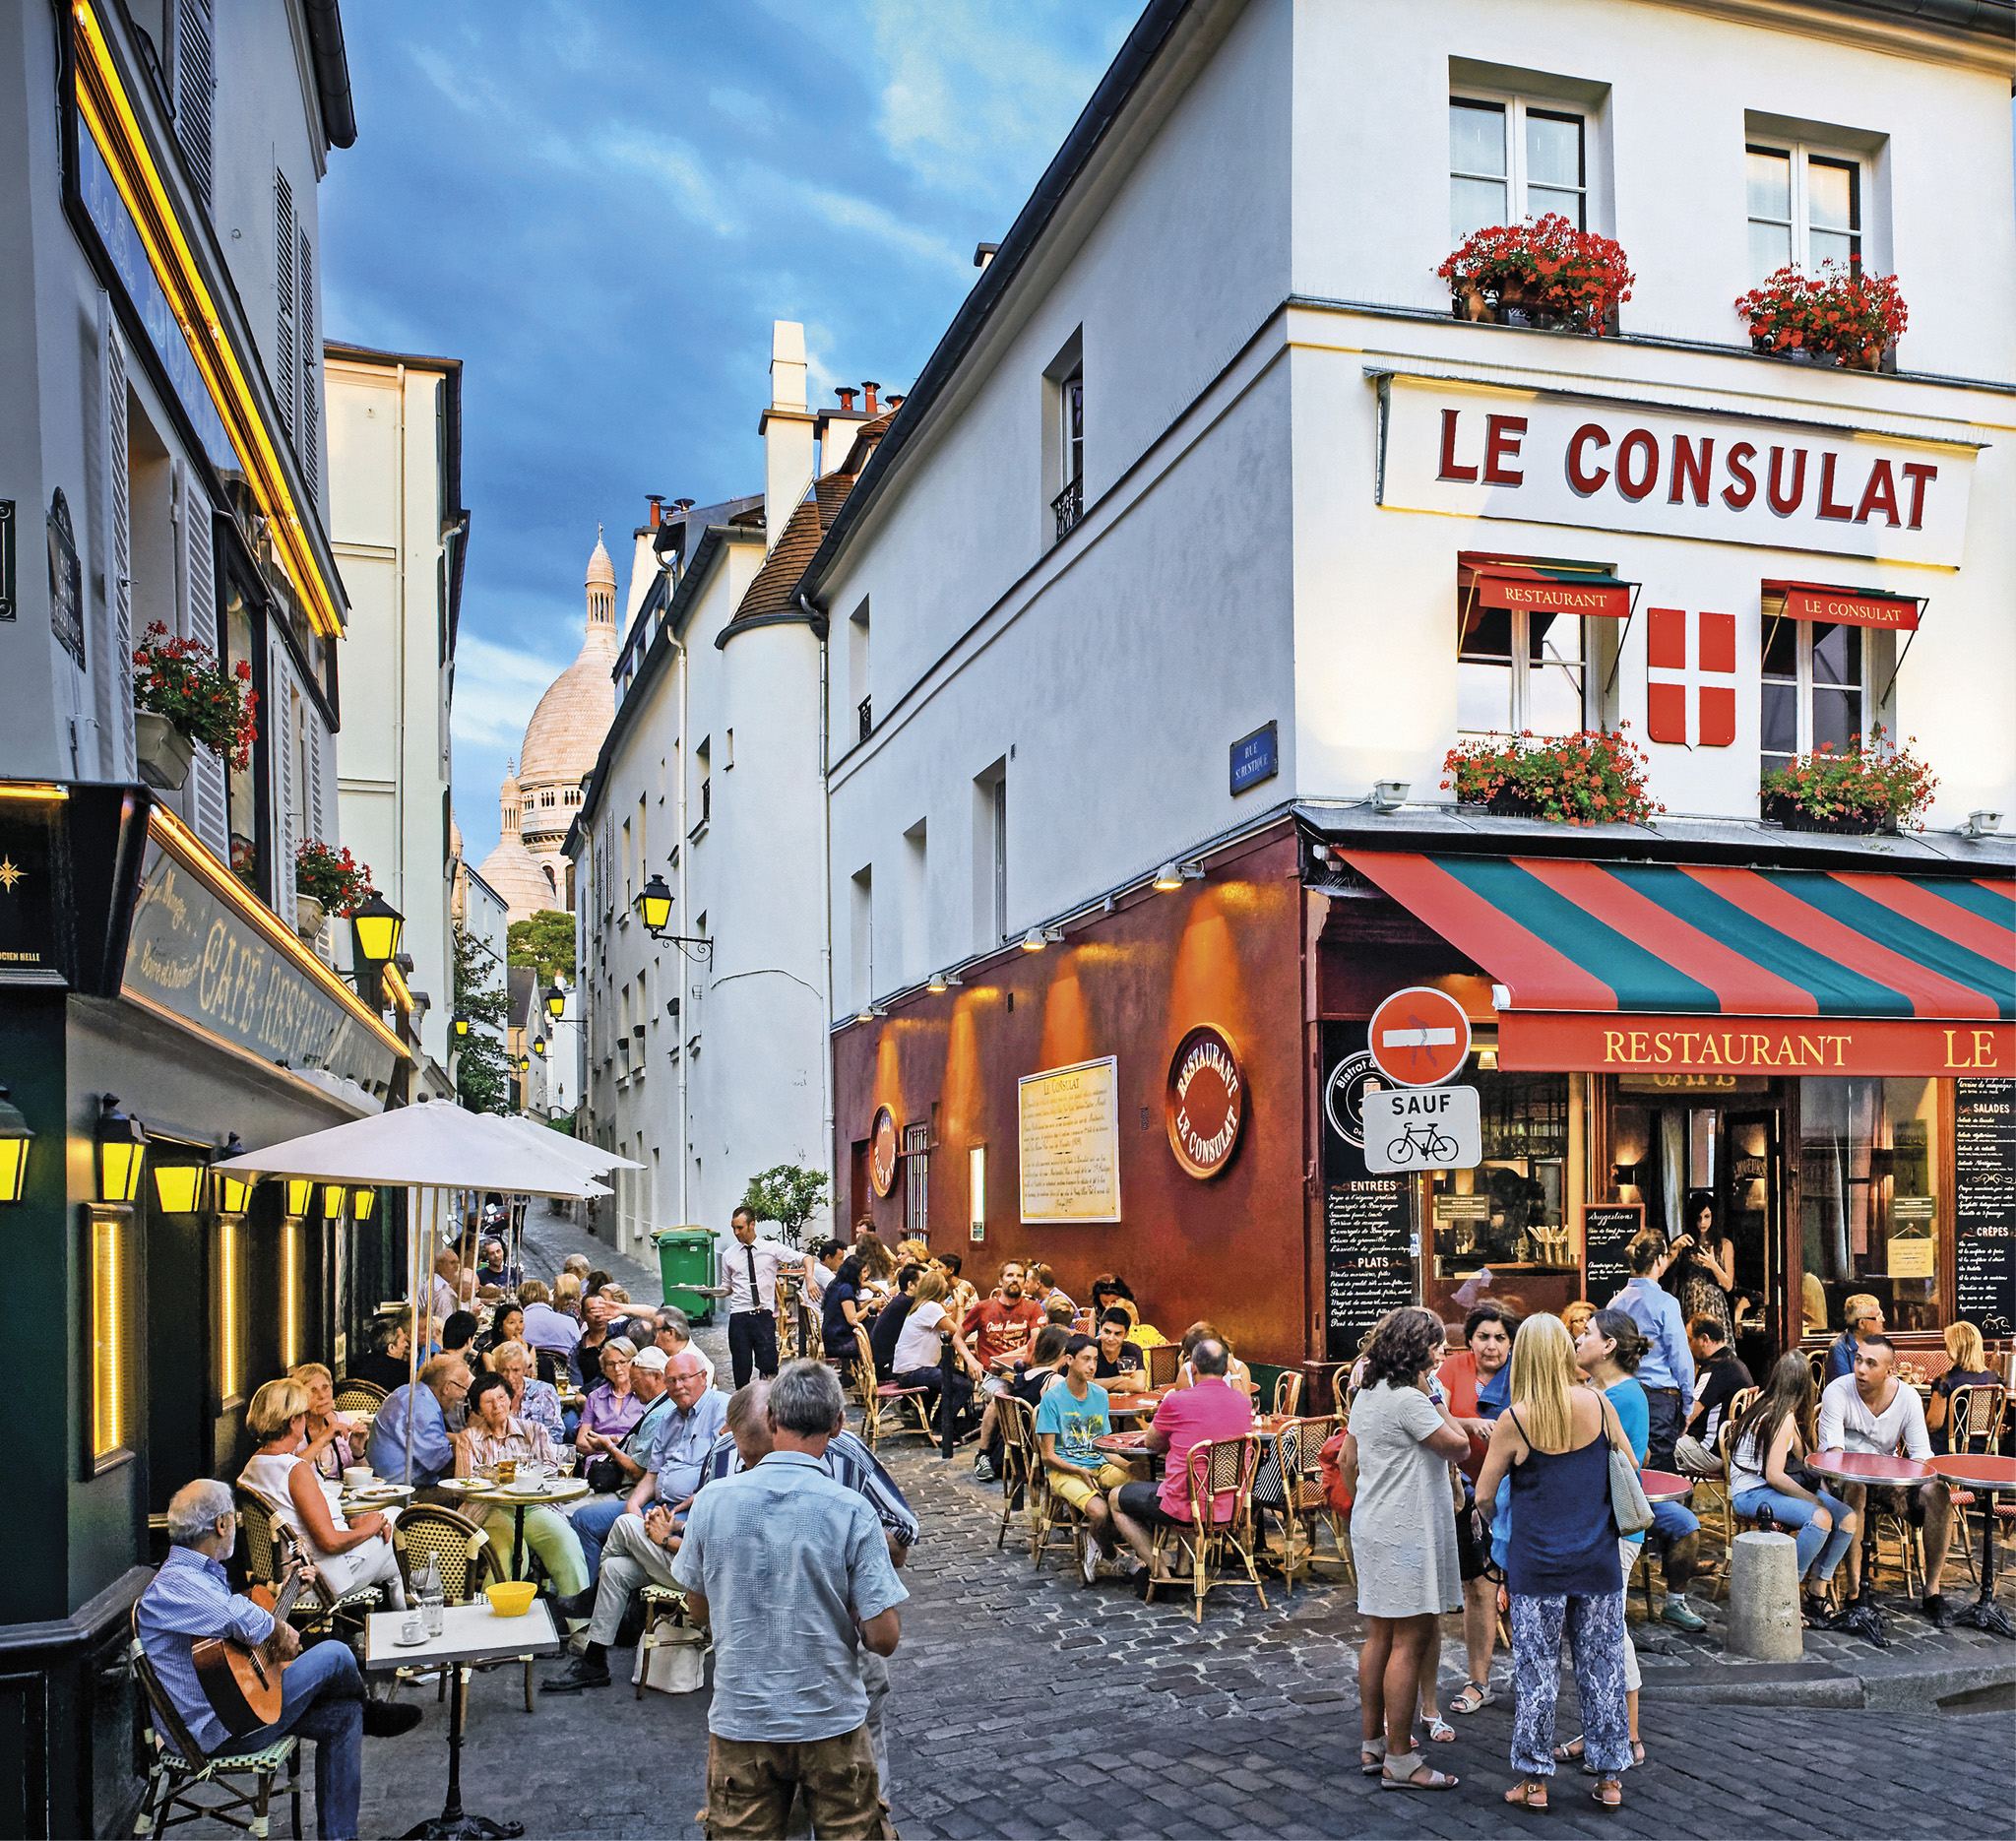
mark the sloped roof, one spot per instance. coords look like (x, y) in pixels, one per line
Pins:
(775, 588)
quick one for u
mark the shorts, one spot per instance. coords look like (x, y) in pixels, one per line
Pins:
(993, 1386)
(1896, 1498)
(1080, 1486)
(1141, 1502)
(1472, 1561)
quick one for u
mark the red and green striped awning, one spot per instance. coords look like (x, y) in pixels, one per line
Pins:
(1690, 969)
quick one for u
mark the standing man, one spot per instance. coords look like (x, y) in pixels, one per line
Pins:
(1667, 1368)
(1477, 1382)
(750, 1268)
(783, 1546)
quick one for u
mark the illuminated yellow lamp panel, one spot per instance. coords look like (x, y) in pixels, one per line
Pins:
(290, 1293)
(227, 1309)
(111, 1408)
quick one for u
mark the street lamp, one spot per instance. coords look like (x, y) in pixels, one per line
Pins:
(362, 1201)
(122, 1148)
(539, 1047)
(461, 1026)
(299, 1195)
(333, 1196)
(14, 1138)
(556, 998)
(375, 929)
(178, 1187)
(657, 903)
(233, 1190)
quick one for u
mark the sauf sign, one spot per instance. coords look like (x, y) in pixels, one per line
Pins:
(1605, 463)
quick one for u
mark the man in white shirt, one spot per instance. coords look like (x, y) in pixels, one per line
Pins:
(750, 1267)
(1873, 1411)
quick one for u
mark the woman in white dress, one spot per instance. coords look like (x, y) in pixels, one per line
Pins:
(1403, 1537)
(345, 1555)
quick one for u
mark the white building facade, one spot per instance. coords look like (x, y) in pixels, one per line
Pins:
(1205, 528)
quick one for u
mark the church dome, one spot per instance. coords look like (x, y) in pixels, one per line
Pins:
(599, 568)
(511, 869)
(566, 730)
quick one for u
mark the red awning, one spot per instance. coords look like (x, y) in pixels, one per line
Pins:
(1844, 606)
(1542, 585)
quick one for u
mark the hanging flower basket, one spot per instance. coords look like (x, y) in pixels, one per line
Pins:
(1544, 273)
(333, 879)
(203, 700)
(1838, 316)
(1858, 793)
(162, 752)
(1593, 776)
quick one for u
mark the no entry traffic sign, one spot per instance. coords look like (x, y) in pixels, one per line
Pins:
(1420, 1036)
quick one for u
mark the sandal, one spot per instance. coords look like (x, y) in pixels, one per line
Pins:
(1530, 1794)
(1608, 1795)
(1372, 1757)
(1440, 1731)
(1415, 1775)
(1475, 1695)
(1571, 1752)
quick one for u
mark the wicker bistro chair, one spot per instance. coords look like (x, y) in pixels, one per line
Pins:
(1215, 1468)
(665, 1609)
(1974, 1419)
(1295, 1452)
(270, 1546)
(466, 1562)
(1739, 1403)
(1288, 1394)
(359, 1396)
(878, 1396)
(176, 1765)
(1164, 1361)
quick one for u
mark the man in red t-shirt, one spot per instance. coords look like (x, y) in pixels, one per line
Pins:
(1190, 1416)
(997, 1324)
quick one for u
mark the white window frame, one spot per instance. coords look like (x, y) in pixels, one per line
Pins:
(1805, 689)
(1799, 196)
(1517, 107)
(1521, 710)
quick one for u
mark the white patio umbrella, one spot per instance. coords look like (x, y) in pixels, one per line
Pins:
(435, 1147)
(591, 1158)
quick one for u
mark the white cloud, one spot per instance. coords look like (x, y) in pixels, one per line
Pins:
(692, 188)
(751, 111)
(859, 216)
(496, 688)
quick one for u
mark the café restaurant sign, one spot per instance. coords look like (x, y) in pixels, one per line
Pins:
(1205, 1101)
(193, 954)
(1599, 463)
(1612, 1043)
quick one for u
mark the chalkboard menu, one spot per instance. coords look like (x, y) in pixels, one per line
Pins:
(1367, 1258)
(1984, 1203)
(1606, 1234)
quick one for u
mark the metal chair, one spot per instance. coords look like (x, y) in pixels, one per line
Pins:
(466, 1562)
(1215, 1468)
(270, 1544)
(178, 1766)
(1164, 1360)
(1973, 1423)
(873, 1395)
(1288, 1394)
(359, 1396)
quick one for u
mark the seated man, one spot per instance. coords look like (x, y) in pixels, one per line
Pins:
(444, 1289)
(889, 1320)
(322, 1694)
(545, 1327)
(1873, 1411)
(1187, 1417)
(1862, 1318)
(444, 1383)
(1119, 1358)
(1717, 1379)
(613, 1468)
(989, 1329)
(1069, 1416)
(640, 1544)
(672, 1331)
(386, 1365)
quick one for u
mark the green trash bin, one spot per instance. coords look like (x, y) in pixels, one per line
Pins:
(685, 1259)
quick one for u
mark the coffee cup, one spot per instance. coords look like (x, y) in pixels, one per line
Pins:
(413, 1629)
(359, 1477)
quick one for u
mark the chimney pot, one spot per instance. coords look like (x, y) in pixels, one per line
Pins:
(846, 398)
(868, 390)
(682, 504)
(891, 403)
(656, 501)
(984, 253)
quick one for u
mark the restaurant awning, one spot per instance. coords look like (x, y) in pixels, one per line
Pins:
(1843, 607)
(1545, 585)
(1688, 969)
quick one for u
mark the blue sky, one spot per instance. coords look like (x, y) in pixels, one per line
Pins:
(599, 209)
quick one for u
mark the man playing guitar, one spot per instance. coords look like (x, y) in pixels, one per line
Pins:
(322, 1692)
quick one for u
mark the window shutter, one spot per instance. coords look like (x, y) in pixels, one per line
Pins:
(308, 446)
(114, 690)
(194, 89)
(280, 751)
(284, 367)
(209, 813)
(311, 718)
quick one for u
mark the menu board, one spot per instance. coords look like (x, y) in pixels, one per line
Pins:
(1070, 1143)
(1367, 1258)
(1606, 1231)
(1984, 1203)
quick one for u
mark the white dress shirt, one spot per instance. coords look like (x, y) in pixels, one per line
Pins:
(768, 1256)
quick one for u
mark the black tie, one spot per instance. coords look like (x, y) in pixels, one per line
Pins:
(755, 1297)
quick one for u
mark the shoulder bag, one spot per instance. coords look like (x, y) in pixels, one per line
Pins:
(1628, 1507)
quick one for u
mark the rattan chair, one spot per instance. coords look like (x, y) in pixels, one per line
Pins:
(270, 1546)
(466, 1562)
(1739, 1403)
(1974, 1420)
(1340, 1391)
(1215, 1468)
(177, 1765)
(1164, 1359)
(664, 1607)
(876, 1396)
(1297, 1447)
(1021, 1473)
(1288, 1394)
(359, 1396)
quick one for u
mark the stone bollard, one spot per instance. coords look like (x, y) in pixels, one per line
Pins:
(1764, 1599)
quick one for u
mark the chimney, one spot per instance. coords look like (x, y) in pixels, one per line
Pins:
(892, 404)
(682, 506)
(787, 429)
(846, 398)
(868, 390)
(658, 508)
(984, 253)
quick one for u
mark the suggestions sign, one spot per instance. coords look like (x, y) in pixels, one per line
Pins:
(1069, 1130)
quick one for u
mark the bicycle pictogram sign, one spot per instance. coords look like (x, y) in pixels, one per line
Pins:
(1423, 1128)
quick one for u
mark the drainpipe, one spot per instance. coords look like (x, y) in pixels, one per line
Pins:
(818, 621)
(685, 1059)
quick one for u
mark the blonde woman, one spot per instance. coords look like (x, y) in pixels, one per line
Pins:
(1970, 1370)
(345, 1555)
(329, 1448)
(1554, 1441)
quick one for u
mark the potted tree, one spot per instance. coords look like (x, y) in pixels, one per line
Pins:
(326, 881)
(1593, 776)
(184, 698)
(1868, 790)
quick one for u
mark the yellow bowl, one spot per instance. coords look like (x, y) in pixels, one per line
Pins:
(511, 1599)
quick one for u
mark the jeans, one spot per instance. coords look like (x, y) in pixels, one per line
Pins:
(322, 1697)
(752, 1344)
(1666, 1422)
(1813, 1542)
(593, 1521)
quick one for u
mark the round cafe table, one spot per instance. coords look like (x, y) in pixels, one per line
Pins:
(504, 1496)
(1861, 1617)
(1132, 1405)
(1990, 1476)
(1664, 1485)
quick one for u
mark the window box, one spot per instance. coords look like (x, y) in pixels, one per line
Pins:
(1778, 810)
(1859, 792)
(162, 752)
(1838, 316)
(1545, 275)
(1595, 777)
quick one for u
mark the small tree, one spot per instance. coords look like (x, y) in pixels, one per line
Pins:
(480, 1077)
(546, 942)
(790, 1195)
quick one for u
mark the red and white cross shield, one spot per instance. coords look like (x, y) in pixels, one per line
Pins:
(1669, 677)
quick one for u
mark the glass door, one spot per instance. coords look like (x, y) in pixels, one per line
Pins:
(1749, 1194)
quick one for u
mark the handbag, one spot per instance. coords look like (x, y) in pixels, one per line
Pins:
(604, 1476)
(1629, 1508)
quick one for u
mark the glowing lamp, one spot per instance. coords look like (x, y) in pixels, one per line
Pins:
(299, 1195)
(14, 1138)
(539, 1047)
(461, 1026)
(657, 905)
(1168, 877)
(178, 1188)
(333, 1196)
(234, 1191)
(375, 929)
(556, 1000)
(122, 1148)
(362, 1201)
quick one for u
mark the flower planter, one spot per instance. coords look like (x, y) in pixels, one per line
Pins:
(1782, 812)
(308, 916)
(162, 751)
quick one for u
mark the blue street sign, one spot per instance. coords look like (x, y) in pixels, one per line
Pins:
(1256, 757)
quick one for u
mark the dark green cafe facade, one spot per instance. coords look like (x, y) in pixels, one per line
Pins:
(150, 1009)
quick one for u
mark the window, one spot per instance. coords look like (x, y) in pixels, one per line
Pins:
(862, 910)
(1868, 1214)
(1814, 689)
(859, 684)
(1510, 160)
(916, 1151)
(1517, 670)
(1806, 207)
(990, 857)
(245, 818)
(1069, 504)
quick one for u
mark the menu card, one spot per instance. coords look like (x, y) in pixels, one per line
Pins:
(1607, 1233)
(1984, 1203)
(1367, 1258)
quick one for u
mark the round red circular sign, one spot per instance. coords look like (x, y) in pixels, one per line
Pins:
(1420, 1036)
(1205, 1101)
(882, 1152)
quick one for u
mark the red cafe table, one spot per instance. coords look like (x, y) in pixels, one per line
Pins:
(1872, 1468)
(1990, 1476)
(1664, 1485)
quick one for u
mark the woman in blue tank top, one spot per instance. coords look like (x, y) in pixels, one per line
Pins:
(1561, 1562)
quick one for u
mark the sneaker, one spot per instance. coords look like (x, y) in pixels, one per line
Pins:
(983, 1470)
(1936, 1610)
(387, 1719)
(578, 1675)
(1681, 1615)
(1091, 1562)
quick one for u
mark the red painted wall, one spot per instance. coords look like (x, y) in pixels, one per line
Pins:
(1224, 951)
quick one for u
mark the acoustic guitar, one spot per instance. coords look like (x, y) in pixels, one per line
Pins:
(242, 1683)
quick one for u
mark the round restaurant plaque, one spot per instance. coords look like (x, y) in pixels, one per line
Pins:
(882, 1150)
(1205, 1101)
